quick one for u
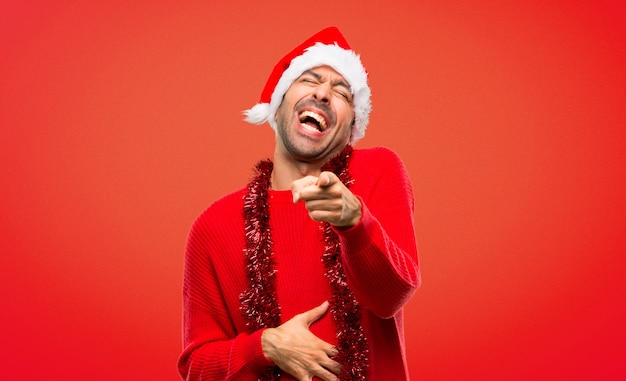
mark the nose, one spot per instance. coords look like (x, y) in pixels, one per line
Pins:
(322, 93)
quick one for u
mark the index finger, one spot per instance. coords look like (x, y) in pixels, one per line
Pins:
(300, 184)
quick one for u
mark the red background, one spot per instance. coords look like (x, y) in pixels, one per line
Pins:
(121, 122)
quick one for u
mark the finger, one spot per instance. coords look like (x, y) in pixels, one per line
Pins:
(322, 203)
(316, 313)
(332, 351)
(326, 179)
(325, 374)
(300, 184)
(324, 216)
(332, 366)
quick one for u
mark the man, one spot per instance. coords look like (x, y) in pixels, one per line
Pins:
(304, 273)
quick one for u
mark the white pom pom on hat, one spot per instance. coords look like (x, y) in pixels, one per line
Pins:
(328, 47)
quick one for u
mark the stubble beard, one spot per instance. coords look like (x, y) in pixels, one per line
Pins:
(296, 146)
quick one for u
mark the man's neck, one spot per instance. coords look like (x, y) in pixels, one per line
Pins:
(285, 173)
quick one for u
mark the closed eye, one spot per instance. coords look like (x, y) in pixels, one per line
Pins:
(307, 78)
(346, 96)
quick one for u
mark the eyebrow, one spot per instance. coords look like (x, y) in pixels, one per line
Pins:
(336, 83)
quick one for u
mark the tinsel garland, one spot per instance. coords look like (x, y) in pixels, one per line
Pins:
(259, 304)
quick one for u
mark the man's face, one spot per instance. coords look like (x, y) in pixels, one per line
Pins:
(314, 120)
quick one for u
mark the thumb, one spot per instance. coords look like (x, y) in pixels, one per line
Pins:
(326, 179)
(314, 314)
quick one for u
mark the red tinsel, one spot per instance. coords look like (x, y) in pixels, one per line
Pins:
(259, 305)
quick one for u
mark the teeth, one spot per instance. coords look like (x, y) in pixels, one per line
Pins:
(318, 118)
(312, 129)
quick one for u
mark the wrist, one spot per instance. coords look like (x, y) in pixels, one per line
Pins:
(354, 214)
(267, 345)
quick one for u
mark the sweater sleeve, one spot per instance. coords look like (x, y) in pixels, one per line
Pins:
(380, 253)
(212, 347)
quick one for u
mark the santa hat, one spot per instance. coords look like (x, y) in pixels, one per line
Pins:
(326, 48)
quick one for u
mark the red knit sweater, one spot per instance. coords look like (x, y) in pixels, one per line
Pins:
(379, 258)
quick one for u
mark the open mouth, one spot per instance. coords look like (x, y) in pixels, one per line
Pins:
(313, 121)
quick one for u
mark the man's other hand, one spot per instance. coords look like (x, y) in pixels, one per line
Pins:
(297, 351)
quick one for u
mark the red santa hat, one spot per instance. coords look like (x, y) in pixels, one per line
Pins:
(326, 48)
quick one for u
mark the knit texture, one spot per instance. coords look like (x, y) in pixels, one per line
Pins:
(379, 257)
